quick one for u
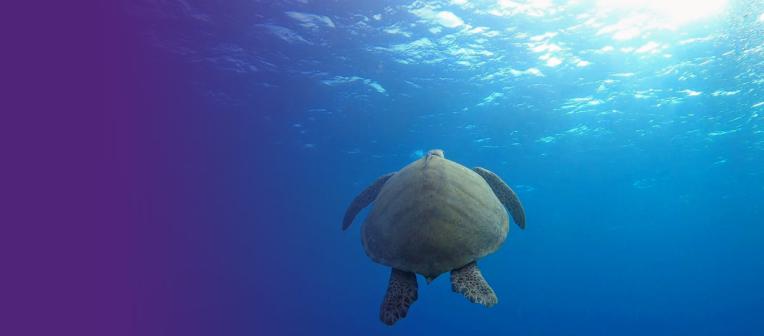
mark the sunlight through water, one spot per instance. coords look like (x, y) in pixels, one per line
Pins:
(675, 12)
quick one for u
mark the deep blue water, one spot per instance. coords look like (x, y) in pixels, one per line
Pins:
(633, 136)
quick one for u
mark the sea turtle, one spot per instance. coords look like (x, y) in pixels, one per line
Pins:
(434, 216)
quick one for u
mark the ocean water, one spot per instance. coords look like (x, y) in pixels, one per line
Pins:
(633, 133)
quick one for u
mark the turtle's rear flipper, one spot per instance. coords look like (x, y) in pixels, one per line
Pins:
(470, 282)
(401, 293)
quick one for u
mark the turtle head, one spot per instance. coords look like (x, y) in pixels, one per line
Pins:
(436, 152)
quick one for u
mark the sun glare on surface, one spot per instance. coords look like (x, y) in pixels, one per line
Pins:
(675, 12)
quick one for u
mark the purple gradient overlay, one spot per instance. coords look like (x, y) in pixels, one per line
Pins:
(115, 180)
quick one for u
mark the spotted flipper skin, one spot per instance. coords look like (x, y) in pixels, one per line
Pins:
(505, 194)
(363, 200)
(401, 293)
(469, 282)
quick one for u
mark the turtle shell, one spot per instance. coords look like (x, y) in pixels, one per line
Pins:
(433, 216)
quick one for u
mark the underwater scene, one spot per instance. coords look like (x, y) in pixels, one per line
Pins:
(447, 167)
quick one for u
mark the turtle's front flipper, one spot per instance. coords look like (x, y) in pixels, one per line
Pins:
(470, 282)
(363, 200)
(401, 293)
(505, 194)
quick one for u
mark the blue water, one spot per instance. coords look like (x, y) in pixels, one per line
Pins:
(634, 137)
